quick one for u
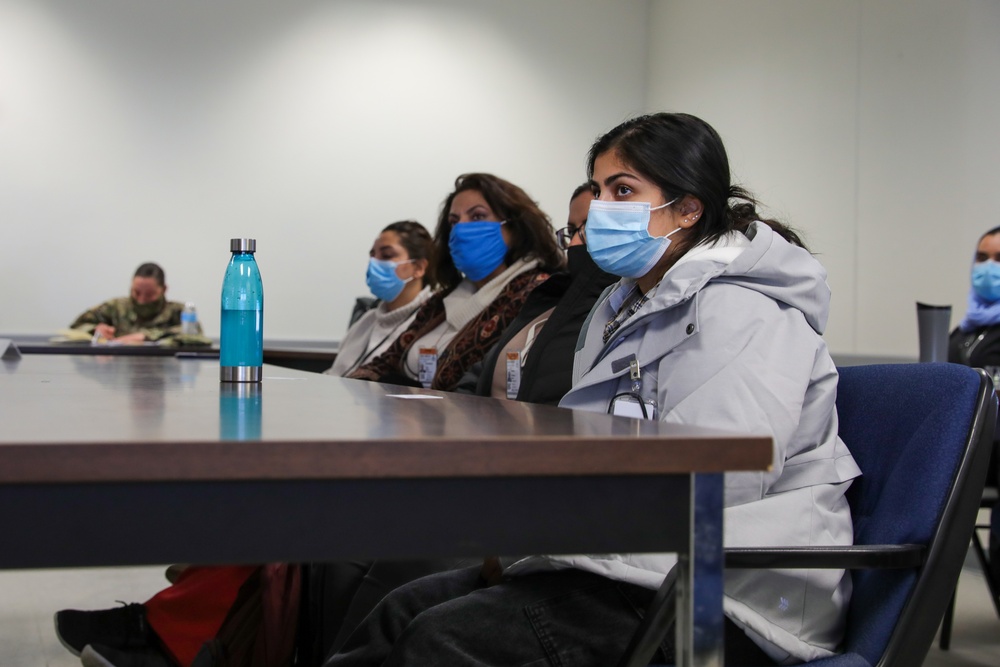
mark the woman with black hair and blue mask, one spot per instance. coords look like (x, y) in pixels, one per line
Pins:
(493, 246)
(716, 322)
(976, 341)
(401, 276)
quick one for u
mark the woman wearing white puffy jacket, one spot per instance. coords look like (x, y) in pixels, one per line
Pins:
(722, 314)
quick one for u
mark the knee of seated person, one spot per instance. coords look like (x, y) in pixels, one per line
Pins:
(430, 633)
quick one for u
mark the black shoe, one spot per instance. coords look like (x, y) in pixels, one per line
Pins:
(95, 655)
(121, 627)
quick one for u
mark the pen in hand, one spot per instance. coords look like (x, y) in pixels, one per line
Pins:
(102, 334)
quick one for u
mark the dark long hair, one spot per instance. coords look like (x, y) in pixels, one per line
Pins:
(684, 155)
(530, 229)
(151, 270)
(418, 243)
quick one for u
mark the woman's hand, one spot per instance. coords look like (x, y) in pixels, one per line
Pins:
(104, 331)
(137, 337)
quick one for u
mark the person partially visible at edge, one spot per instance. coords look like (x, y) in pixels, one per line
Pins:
(722, 314)
(144, 315)
(976, 342)
(493, 246)
(401, 275)
(533, 359)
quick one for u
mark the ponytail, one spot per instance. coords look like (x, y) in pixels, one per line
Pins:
(743, 212)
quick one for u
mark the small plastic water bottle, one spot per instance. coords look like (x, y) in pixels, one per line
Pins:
(189, 320)
(241, 343)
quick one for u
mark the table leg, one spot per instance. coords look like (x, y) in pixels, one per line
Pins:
(700, 621)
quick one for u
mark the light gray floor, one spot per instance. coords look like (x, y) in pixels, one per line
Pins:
(29, 598)
(975, 635)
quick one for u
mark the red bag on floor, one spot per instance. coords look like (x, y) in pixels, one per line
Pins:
(259, 630)
(190, 612)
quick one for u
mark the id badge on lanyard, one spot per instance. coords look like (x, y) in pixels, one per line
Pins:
(631, 403)
(513, 373)
(427, 366)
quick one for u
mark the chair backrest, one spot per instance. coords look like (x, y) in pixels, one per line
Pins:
(921, 434)
(362, 305)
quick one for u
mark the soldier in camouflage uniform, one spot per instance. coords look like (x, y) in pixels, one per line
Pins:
(144, 315)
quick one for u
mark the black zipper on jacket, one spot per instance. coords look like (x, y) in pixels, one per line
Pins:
(970, 346)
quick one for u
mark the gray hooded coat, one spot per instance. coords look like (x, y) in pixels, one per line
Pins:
(731, 339)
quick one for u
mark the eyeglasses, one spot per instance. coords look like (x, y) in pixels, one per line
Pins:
(566, 234)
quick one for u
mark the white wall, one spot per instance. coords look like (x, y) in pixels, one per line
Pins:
(929, 140)
(142, 130)
(870, 124)
(136, 131)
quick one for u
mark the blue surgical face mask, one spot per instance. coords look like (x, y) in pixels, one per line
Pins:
(477, 248)
(382, 279)
(986, 280)
(618, 237)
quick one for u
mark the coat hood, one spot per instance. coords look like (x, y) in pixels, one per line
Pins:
(762, 261)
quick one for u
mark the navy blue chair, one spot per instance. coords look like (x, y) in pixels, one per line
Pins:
(987, 553)
(921, 434)
(362, 305)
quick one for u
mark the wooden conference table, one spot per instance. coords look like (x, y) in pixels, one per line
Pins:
(141, 460)
(288, 355)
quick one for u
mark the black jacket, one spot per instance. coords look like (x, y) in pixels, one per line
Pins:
(548, 372)
(977, 348)
(980, 348)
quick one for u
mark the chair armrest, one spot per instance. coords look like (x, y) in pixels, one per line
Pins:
(858, 557)
(661, 611)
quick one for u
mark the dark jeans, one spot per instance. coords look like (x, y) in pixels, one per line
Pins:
(339, 595)
(567, 618)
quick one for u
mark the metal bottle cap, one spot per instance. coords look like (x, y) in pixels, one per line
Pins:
(240, 373)
(243, 245)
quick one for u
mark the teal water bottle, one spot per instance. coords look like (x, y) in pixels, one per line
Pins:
(241, 343)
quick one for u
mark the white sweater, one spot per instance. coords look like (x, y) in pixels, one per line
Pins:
(373, 333)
